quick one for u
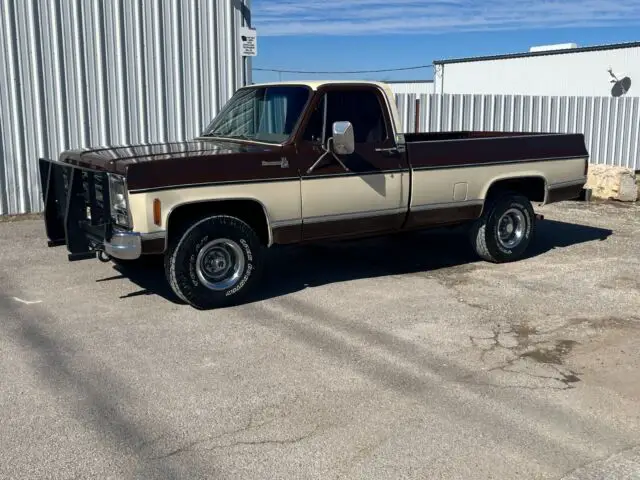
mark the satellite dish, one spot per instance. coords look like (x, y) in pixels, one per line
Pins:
(620, 86)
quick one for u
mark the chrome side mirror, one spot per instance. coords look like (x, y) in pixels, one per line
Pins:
(343, 142)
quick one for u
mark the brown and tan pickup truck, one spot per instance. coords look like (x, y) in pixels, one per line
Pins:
(288, 163)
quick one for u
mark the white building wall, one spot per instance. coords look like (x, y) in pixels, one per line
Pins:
(411, 88)
(77, 73)
(568, 74)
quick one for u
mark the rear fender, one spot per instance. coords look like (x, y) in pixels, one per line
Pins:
(510, 176)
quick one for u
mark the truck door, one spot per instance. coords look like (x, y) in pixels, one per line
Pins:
(368, 195)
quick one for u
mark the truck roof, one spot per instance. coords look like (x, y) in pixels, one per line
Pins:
(315, 84)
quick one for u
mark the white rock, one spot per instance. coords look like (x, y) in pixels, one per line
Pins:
(616, 183)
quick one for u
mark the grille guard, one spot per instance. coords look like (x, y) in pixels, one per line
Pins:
(66, 206)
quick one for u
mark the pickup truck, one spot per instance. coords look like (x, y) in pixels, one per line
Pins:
(297, 162)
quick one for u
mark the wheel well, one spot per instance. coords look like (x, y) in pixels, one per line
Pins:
(531, 187)
(250, 211)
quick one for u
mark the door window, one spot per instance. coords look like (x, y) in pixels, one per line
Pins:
(360, 107)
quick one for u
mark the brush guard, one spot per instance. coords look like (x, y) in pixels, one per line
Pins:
(76, 208)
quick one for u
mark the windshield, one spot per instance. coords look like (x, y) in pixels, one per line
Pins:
(266, 114)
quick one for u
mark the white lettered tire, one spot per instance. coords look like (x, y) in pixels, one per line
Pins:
(215, 262)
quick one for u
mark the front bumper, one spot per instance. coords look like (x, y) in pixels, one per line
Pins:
(124, 245)
(127, 245)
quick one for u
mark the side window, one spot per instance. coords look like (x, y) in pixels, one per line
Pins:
(360, 107)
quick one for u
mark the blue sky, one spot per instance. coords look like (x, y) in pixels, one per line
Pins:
(336, 35)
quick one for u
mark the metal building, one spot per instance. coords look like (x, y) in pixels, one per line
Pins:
(76, 73)
(555, 70)
(411, 87)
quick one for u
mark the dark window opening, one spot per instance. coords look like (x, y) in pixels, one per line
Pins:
(360, 107)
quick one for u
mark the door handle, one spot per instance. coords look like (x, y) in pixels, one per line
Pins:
(390, 150)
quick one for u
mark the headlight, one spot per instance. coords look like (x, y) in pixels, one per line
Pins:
(118, 199)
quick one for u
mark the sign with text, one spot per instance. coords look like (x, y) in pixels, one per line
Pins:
(249, 42)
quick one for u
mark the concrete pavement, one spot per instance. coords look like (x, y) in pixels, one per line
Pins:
(398, 357)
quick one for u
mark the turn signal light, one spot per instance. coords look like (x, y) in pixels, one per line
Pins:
(157, 212)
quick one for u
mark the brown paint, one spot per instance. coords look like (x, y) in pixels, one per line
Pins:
(153, 246)
(287, 235)
(453, 149)
(352, 227)
(571, 192)
(381, 225)
(442, 216)
(168, 165)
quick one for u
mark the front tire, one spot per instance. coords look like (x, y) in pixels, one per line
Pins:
(214, 263)
(504, 231)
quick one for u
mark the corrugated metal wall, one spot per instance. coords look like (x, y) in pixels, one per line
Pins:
(76, 73)
(611, 125)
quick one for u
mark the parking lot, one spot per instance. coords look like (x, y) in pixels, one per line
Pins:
(396, 357)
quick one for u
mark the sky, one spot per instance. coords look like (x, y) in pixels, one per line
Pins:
(347, 35)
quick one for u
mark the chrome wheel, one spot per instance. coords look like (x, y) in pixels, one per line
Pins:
(511, 228)
(220, 264)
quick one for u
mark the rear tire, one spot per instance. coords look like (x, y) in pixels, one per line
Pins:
(214, 262)
(505, 229)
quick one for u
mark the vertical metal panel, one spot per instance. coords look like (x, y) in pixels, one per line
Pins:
(611, 126)
(633, 153)
(78, 73)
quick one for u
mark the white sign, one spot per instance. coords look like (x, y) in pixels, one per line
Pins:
(249, 42)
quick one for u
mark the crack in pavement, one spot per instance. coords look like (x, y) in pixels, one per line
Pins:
(195, 443)
(286, 441)
(250, 424)
(191, 446)
(542, 352)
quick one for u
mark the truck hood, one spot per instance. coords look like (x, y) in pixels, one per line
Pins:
(199, 161)
(116, 159)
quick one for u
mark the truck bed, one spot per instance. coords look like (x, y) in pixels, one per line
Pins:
(479, 148)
